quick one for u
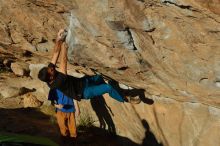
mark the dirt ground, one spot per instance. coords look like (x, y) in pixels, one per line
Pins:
(33, 122)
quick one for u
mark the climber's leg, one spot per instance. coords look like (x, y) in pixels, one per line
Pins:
(93, 91)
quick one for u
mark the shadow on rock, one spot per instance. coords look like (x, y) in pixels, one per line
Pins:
(32, 122)
(102, 111)
(149, 139)
(94, 136)
(131, 92)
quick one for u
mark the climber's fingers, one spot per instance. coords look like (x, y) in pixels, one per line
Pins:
(61, 35)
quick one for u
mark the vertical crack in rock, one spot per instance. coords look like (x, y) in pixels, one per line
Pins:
(151, 37)
(131, 38)
(8, 30)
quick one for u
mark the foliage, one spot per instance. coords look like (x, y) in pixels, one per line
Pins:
(85, 120)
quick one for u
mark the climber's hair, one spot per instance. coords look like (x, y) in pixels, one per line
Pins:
(43, 74)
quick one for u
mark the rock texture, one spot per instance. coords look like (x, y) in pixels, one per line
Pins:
(20, 68)
(31, 24)
(8, 91)
(169, 48)
(31, 101)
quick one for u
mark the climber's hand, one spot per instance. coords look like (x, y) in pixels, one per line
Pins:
(61, 35)
(59, 106)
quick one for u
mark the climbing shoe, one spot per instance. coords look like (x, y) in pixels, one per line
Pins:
(133, 100)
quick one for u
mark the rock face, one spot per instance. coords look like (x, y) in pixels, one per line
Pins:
(31, 101)
(8, 91)
(20, 68)
(31, 24)
(169, 48)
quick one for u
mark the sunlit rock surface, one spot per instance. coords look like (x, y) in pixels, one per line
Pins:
(169, 48)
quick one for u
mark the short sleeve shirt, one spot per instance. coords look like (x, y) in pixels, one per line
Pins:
(59, 98)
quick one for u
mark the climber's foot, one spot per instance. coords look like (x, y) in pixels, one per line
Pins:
(132, 100)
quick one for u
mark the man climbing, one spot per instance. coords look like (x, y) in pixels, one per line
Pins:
(66, 110)
(77, 88)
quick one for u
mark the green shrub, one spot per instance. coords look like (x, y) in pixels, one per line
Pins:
(85, 120)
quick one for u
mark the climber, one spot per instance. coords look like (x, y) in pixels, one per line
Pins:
(66, 111)
(77, 88)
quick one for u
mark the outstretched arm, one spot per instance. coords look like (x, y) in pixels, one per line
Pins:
(57, 47)
(63, 60)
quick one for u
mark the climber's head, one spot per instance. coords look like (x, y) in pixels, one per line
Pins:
(47, 74)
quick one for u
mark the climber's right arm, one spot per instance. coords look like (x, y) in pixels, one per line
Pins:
(63, 60)
(57, 47)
